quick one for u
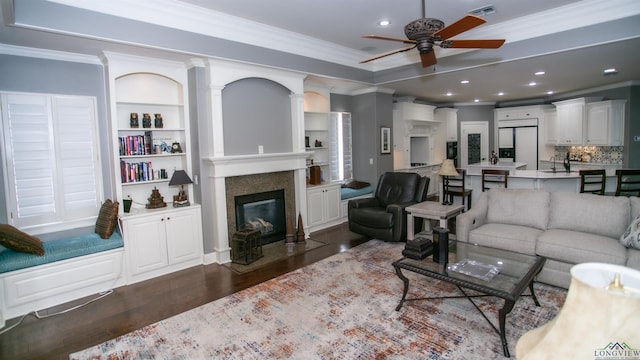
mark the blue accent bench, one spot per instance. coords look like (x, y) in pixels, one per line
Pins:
(348, 193)
(72, 268)
(59, 249)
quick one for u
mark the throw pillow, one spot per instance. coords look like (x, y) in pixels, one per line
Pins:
(107, 219)
(355, 184)
(631, 237)
(14, 239)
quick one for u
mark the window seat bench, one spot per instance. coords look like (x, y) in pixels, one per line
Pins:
(71, 268)
(347, 194)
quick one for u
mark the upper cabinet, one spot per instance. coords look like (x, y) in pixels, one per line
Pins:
(449, 117)
(588, 121)
(414, 115)
(150, 131)
(605, 123)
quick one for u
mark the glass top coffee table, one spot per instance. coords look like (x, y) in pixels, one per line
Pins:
(489, 271)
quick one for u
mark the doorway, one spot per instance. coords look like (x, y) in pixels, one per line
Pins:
(474, 142)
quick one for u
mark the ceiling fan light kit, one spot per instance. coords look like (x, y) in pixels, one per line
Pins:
(425, 32)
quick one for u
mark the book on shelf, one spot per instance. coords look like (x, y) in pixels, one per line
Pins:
(136, 144)
(136, 172)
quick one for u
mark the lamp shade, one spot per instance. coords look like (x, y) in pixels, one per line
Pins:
(180, 177)
(447, 168)
(596, 320)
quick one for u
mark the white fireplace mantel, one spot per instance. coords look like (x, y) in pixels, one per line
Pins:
(218, 168)
(238, 165)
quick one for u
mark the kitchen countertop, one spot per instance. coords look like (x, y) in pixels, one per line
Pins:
(541, 174)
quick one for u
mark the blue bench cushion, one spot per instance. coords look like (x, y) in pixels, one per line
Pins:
(348, 193)
(59, 249)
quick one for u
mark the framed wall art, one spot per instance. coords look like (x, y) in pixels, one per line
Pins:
(385, 140)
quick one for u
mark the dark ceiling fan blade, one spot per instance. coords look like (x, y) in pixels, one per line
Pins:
(428, 58)
(473, 44)
(391, 38)
(387, 54)
(466, 23)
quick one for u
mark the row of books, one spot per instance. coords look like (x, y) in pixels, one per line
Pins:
(136, 144)
(136, 172)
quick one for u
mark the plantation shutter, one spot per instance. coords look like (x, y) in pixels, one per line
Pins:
(52, 172)
(340, 146)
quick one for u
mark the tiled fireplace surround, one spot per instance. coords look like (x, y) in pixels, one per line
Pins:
(225, 175)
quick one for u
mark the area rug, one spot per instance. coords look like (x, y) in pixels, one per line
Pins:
(276, 251)
(342, 307)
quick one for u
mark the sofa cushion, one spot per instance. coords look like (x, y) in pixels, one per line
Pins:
(594, 214)
(631, 237)
(578, 247)
(635, 206)
(633, 259)
(516, 238)
(518, 207)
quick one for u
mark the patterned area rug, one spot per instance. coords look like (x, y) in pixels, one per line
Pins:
(342, 307)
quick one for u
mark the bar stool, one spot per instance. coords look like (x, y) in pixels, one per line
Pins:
(494, 178)
(592, 181)
(628, 182)
(456, 187)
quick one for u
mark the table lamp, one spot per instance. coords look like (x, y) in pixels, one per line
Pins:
(447, 169)
(181, 178)
(600, 317)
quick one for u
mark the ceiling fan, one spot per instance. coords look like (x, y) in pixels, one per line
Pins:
(424, 33)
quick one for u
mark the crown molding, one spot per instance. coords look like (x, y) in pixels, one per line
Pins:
(48, 54)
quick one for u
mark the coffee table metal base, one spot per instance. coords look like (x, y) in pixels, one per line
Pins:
(502, 313)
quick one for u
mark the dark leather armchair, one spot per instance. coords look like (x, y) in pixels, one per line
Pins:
(383, 216)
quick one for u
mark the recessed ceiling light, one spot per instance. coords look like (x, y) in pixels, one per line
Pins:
(464, 82)
(533, 83)
(539, 73)
(384, 22)
(449, 94)
(549, 92)
(476, 100)
(610, 71)
(500, 93)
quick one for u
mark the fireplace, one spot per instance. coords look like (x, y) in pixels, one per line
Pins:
(265, 212)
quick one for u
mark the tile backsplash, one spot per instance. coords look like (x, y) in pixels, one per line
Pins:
(599, 154)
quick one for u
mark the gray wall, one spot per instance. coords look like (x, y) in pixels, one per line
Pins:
(34, 75)
(256, 112)
(197, 110)
(370, 112)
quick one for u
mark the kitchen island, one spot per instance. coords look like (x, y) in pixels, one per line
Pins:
(501, 165)
(539, 179)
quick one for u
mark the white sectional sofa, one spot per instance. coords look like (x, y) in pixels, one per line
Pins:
(566, 228)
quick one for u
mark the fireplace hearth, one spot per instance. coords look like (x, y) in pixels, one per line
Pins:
(264, 212)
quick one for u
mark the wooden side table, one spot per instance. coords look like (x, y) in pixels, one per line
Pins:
(432, 210)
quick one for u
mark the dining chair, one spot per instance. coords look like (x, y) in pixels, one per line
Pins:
(628, 182)
(592, 181)
(492, 178)
(456, 187)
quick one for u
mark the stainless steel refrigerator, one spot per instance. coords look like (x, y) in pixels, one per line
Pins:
(518, 141)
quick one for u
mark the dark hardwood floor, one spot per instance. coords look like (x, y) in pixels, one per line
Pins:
(134, 306)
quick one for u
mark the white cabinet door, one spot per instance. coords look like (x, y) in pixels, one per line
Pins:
(597, 124)
(332, 203)
(569, 124)
(183, 235)
(145, 243)
(315, 210)
(605, 123)
(550, 127)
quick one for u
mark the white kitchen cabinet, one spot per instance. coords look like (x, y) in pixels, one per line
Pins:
(571, 118)
(449, 117)
(516, 113)
(550, 119)
(162, 241)
(323, 206)
(605, 123)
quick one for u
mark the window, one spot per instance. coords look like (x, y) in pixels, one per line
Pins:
(51, 165)
(340, 146)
